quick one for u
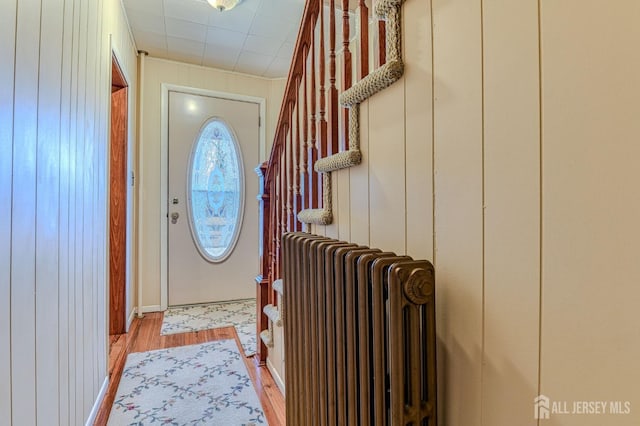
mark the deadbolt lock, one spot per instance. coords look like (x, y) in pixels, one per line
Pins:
(174, 217)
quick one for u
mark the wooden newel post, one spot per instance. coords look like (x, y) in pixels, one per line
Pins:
(262, 280)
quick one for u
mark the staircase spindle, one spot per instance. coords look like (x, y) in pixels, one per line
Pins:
(285, 187)
(290, 171)
(296, 162)
(283, 193)
(363, 13)
(347, 69)
(282, 208)
(304, 203)
(262, 280)
(312, 126)
(287, 181)
(333, 90)
(272, 230)
(321, 144)
(279, 179)
(312, 148)
(382, 42)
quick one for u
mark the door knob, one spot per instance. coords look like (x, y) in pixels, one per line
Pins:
(174, 217)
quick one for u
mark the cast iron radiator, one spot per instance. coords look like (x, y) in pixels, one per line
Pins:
(359, 335)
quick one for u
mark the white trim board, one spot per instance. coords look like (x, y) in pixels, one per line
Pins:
(164, 164)
(130, 318)
(96, 405)
(204, 67)
(152, 308)
(275, 375)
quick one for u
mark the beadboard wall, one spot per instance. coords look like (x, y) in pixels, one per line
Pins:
(507, 155)
(54, 115)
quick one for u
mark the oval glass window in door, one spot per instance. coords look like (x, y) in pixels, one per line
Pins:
(216, 190)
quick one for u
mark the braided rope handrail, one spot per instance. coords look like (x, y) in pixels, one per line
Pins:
(373, 83)
(323, 216)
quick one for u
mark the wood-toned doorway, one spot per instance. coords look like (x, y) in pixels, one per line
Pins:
(118, 201)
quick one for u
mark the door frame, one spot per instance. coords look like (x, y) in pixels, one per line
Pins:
(118, 141)
(164, 165)
(115, 55)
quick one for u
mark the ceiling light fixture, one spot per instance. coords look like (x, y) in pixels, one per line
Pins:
(223, 5)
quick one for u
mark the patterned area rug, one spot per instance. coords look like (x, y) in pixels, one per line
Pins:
(204, 384)
(241, 314)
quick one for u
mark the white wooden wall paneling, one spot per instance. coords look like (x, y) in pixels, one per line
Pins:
(7, 51)
(519, 211)
(73, 25)
(344, 202)
(89, 231)
(23, 239)
(590, 339)
(75, 387)
(81, 388)
(341, 179)
(97, 210)
(90, 238)
(104, 92)
(417, 45)
(53, 171)
(359, 184)
(458, 224)
(47, 190)
(85, 200)
(64, 293)
(359, 189)
(331, 230)
(386, 169)
(512, 211)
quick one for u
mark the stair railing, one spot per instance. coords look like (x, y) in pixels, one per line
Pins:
(311, 126)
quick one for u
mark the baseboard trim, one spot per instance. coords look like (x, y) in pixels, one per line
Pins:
(130, 320)
(151, 308)
(96, 405)
(276, 376)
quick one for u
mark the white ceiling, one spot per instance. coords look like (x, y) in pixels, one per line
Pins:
(256, 37)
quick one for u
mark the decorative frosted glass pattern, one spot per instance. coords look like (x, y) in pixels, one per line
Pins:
(216, 189)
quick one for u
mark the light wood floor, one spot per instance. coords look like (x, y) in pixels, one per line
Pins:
(144, 335)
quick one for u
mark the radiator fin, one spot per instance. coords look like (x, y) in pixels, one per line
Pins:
(359, 336)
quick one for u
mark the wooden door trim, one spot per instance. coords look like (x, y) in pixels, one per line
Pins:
(118, 199)
(118, 79)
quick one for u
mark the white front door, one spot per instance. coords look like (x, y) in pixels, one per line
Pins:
(212, 239)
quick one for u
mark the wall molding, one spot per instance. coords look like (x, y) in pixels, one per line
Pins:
(153, 308)
(276, 376)
(130, 318)
(98, 402)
